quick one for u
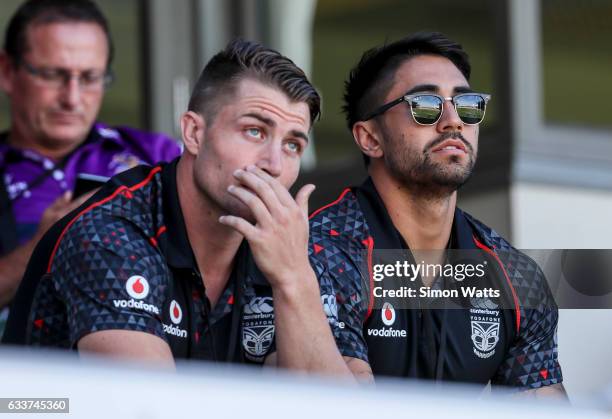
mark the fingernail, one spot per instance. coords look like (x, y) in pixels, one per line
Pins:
(238, 172)
(251, 168)
(230, 188)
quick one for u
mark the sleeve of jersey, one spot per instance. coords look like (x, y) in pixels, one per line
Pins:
(342, 297)
(109, 277)
(532, 359)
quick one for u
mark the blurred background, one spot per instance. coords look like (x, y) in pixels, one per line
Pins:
(544, 175)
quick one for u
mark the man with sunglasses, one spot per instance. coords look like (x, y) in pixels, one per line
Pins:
(54, 68)
(415, 118)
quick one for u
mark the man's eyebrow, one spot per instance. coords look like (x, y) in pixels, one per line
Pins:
(269, 122)
(300, 134)
(422, 88)
(435, 88)
(463, 89)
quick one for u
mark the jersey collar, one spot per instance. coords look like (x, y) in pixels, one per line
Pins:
(386, 235)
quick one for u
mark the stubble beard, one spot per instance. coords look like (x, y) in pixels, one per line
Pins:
(220, 202)
(416, 170)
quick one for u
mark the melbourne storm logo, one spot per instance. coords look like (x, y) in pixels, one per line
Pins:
(258, 328)
(485, 327)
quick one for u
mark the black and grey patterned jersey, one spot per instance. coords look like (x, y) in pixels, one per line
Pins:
(123, 261)
(511, 343)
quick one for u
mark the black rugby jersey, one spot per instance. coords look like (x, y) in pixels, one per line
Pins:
(123, 261)
(506, 341)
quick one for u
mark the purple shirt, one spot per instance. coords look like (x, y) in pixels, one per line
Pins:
(106, 152)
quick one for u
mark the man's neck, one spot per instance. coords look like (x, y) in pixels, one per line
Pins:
(214, 245)
(15, 140)
(424, 220)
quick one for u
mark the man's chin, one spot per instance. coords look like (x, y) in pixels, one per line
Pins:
(238, 209)
(66, 135)
(452, 180)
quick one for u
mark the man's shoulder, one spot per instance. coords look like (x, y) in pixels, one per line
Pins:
(487, 235)
(129, 201)
(151, 147)
(344, 213)
(527, 280)
(341, 221)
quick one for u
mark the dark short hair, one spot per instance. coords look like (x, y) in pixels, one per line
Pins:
(371, 79)
(33, 12)
(245, 59)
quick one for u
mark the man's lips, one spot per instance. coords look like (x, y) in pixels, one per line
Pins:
(65, 117)
(450, 145)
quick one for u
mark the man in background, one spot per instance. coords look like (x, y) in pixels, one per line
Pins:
(55, 67)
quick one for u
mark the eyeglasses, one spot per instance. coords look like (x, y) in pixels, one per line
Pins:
(59, 77)
(427, 108)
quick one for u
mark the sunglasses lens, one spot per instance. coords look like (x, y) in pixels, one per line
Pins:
(426, 109)
(470, 108)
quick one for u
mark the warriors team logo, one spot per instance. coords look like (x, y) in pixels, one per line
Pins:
(330, 307)
(137, 287)
(122, 162)
(258, 328)
(257, 340)
(485, 321)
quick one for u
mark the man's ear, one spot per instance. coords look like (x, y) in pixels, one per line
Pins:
(7, 71)
(368, 138)
(193, 127)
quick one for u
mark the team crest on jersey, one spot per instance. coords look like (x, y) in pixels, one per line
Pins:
(258, 328)
(122, 162)
(485, 320)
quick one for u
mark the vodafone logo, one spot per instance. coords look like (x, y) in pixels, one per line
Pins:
(176, 313)
(387, 314)
(137, 287)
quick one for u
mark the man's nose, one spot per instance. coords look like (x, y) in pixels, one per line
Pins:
(71, 92)
(449, 121)
(270, 159)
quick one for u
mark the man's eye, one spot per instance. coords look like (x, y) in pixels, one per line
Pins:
(254, 132)
(294, 147)
(52, 75)
(91, 78)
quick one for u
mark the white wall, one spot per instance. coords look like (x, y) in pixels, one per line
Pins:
(553, 217)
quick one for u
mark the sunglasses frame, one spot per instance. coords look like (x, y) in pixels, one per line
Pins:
(408, 98)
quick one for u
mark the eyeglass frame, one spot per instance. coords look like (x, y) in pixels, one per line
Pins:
(107, 78)
(408, 97)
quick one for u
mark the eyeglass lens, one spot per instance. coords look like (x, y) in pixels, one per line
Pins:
(426, 109)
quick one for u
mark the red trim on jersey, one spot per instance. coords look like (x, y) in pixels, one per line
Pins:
(161, 231)
(119, 190)
(331, 204)
(517, 308)
(369, 242)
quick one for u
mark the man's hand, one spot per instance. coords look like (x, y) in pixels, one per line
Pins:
(13, 265)
(279, 237)
(279, 242)
(554, 391)
(129, 345)
(58, 209)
